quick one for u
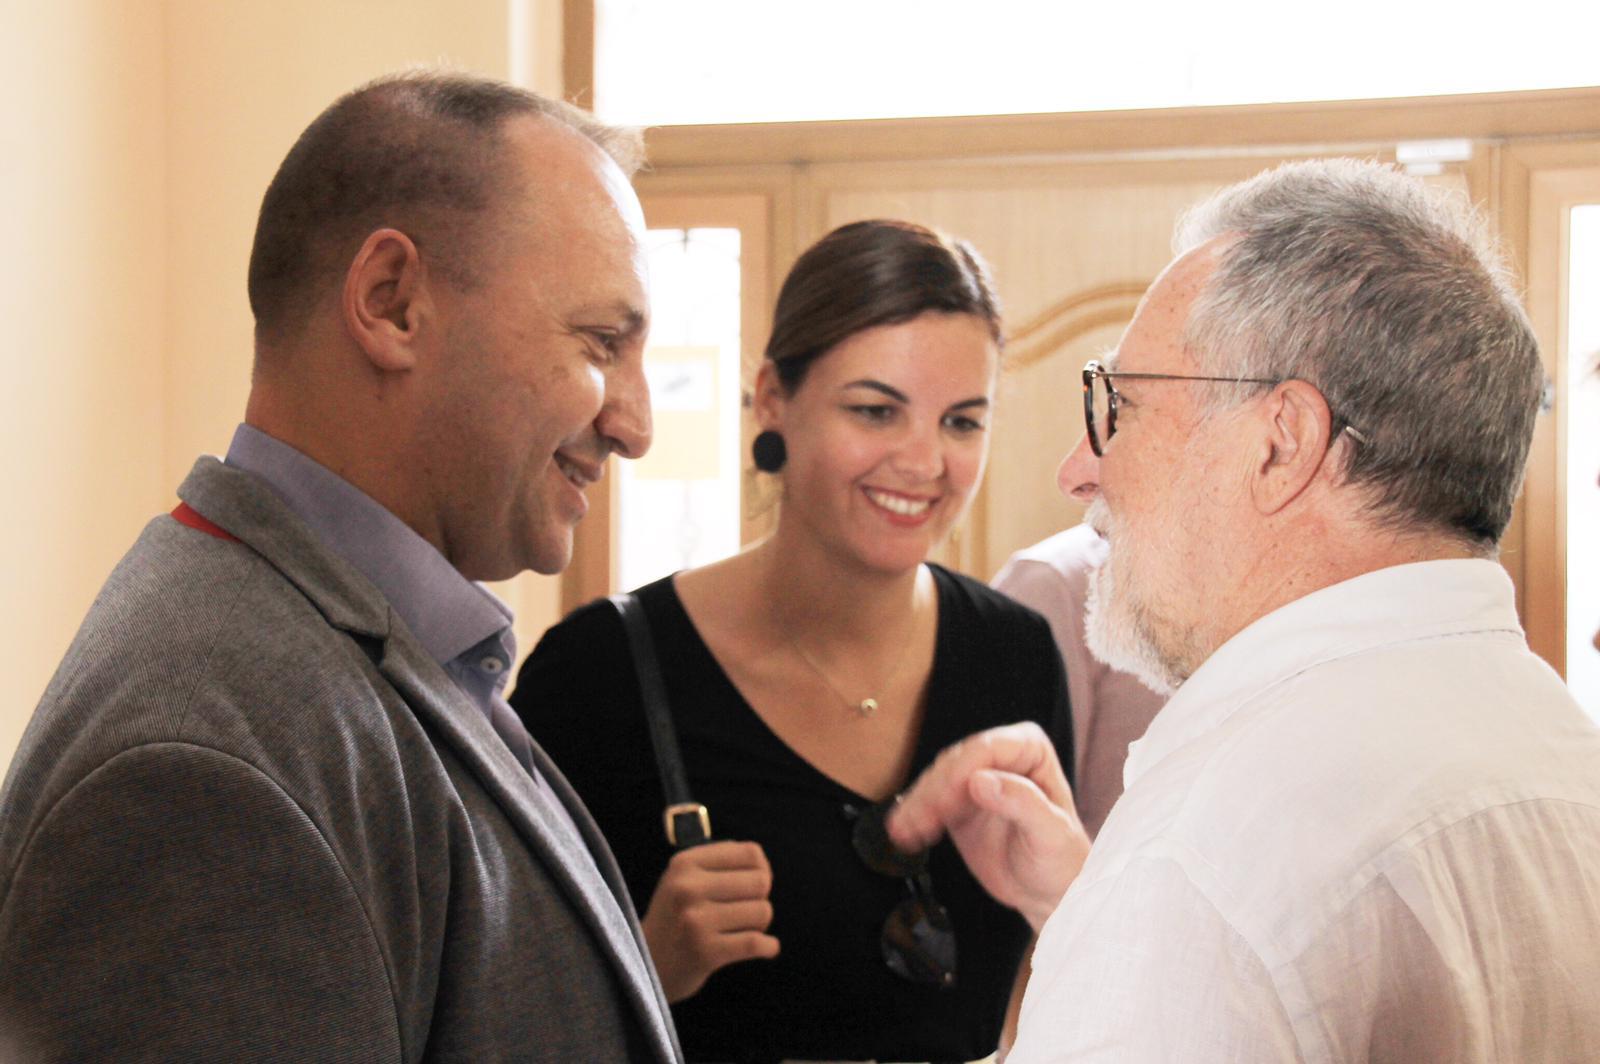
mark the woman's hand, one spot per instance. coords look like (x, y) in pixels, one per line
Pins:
(1003, 799)
(709, 910)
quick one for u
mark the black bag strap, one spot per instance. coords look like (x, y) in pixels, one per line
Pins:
(687, 822)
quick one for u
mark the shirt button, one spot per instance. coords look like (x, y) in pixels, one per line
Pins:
(491, 665)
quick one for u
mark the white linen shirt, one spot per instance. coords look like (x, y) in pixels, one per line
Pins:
(1367, 828)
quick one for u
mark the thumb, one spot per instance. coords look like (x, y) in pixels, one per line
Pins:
(1045, 847)
(1015, 799)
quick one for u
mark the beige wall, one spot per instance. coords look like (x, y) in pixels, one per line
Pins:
(136, 139)
(83, 299)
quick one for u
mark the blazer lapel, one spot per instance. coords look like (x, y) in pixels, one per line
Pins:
(243, 506)
(606, 862)
(601, 901)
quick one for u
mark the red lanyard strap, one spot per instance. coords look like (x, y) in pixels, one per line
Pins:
(185, 514)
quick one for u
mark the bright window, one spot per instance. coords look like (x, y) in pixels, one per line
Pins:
(697, 61)
(678, 506)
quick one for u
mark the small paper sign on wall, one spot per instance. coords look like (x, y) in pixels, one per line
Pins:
(683, 400)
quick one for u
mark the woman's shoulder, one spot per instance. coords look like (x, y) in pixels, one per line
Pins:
(997, 663)
(582, 667)
(591, 652)
(983, 628)
(724, 583)
(596, 624)
(971, 598)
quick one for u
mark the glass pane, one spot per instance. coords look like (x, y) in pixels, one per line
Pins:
(1583, 457)
(689, 61)
(679, 505)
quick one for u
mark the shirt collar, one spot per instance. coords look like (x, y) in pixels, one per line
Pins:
(1398, 604)
(447, 613)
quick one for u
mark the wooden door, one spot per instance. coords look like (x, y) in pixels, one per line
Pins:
(1543, 184)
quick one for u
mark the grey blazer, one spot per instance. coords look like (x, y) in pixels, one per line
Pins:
(253, 820)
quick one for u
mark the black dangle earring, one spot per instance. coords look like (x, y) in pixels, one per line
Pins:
(769, 451)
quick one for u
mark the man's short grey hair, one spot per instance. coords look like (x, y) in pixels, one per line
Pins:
(419, 151)
(1391, 299)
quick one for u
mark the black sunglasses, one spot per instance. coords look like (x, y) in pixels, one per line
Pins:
(918, 939)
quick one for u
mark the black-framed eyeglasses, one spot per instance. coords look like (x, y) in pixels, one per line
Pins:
(1100, 400)
(918, 938)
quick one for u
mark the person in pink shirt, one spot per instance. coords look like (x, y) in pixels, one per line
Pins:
(1110, 708)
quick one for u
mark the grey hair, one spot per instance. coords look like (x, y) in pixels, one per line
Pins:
(420, 151)
(1390, 298)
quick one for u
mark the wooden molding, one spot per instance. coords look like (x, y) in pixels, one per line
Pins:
(577, 52)
(1551, 112)
(1071, 318)
(588, 575)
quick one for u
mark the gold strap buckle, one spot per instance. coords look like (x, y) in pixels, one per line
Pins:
(694, 809)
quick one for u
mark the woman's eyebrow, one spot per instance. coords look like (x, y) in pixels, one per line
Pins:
(878, 386)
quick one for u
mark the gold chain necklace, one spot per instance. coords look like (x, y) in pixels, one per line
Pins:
(866, 707)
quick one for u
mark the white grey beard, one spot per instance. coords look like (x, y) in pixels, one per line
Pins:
(1114, 638)
(1114, 630)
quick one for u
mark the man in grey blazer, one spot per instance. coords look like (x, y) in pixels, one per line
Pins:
(273, 805)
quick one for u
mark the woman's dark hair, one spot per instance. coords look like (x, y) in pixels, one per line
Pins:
(865, 274)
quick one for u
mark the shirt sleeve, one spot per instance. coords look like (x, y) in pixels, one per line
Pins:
(1052, 682)
(576, 682)
(1110, 708)
(1039, 587)
(1141, 966)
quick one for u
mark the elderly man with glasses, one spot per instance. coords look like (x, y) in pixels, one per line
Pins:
(1366, 825)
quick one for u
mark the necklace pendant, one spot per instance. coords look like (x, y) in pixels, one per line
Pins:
(868, 707)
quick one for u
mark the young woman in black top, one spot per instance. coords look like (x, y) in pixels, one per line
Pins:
(814, 675)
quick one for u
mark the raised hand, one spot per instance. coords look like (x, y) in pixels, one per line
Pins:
(709, 910)
(1004, 801)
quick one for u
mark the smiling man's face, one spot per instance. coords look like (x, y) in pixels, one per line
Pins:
(544, 375)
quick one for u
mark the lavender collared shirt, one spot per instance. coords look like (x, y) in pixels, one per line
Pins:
(459, 623)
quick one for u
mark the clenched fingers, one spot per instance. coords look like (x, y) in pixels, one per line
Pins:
(720, 871)
(710, 909)
(944, 796)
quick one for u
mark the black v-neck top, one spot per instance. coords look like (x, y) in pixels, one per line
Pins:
(828, 995)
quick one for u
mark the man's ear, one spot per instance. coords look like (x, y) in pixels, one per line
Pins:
(1294, 446)
(383, 299)
(769, 397)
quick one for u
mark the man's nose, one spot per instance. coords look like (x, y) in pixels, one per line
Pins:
(624, 420)
(1079, 475)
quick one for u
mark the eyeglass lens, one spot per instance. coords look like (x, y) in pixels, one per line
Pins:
(1100, 400)
(1097, 411)
(871, 840)
(918, 939)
